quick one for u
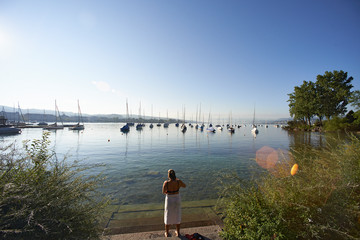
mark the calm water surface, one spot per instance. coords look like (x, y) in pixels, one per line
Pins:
(136, 163)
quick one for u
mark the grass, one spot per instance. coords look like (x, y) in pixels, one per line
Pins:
(321, 201)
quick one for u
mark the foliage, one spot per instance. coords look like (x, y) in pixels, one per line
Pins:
(303, 103)
(333, 90)
(350, 122)
(327, 97)
(320, 202)
(43, 198)
(355, 99)
(296, 124)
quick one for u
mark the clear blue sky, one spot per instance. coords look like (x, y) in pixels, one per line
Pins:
(226, 55)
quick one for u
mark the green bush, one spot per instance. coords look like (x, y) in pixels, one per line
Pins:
(336, 123)
(43, 198)
(322, 201)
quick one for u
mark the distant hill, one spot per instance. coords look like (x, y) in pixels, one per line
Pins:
(37, 115)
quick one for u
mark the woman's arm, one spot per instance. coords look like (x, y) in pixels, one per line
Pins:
(182, 184)
(164, 188)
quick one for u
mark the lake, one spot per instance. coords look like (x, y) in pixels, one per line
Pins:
(136, 163)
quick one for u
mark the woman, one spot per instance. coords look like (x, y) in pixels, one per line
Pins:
(172, 212)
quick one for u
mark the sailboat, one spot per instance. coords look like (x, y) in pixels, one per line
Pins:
(177, 123)
(139, 126)
(43, 123)
(166, 124)
(126, 127)
(7, 129)
(80, 124)
(210, 128)
(151, 125)
(20, 114)
(230, 127)
(254, 130)
(128, 116)
(183, 126)
(55, 126)
(159, 124)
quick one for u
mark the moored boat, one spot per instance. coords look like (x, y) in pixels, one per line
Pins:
(55, 126)
(7, 129)
(78, 126)
(125, 128)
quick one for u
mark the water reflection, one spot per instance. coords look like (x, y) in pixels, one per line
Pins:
(137, 162)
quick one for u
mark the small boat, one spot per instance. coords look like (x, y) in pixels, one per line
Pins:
(78, 126)
(139, 126)
(158, 125)
(151, 125)
(231, 130)
(7, 129)
(43, 123)
(210, 128)
(55, 126)
(166, 125)
(125, 128)
(176, 124)
(254, 129)
(183, 128)
(219, 127)
(4, 130)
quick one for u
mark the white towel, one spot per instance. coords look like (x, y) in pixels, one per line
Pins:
(172, 211)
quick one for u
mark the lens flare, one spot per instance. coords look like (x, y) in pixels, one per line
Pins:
(267, 157)
(294, 169)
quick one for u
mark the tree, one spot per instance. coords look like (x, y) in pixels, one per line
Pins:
(355, 99)
(333, 93)
(303, 102)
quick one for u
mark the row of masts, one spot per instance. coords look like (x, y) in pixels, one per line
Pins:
(59, 124)
(139, 126)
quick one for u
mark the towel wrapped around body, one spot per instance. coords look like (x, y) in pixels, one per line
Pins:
(172, 211)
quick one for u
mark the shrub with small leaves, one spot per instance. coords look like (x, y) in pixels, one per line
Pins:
(44, 198)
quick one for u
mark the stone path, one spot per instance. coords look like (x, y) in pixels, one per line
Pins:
(208, 232)
(146, 221)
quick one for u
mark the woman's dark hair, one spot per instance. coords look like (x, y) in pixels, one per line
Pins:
(172, 175)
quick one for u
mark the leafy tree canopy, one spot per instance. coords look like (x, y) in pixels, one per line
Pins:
(333, 91)
(327, 97)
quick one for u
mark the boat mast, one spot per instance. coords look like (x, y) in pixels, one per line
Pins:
(200, 113)
(196, 114)
(79, 113)
(57, 109)
(127, 110)
(254, 117)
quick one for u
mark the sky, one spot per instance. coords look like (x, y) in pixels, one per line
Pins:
(229, 57)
